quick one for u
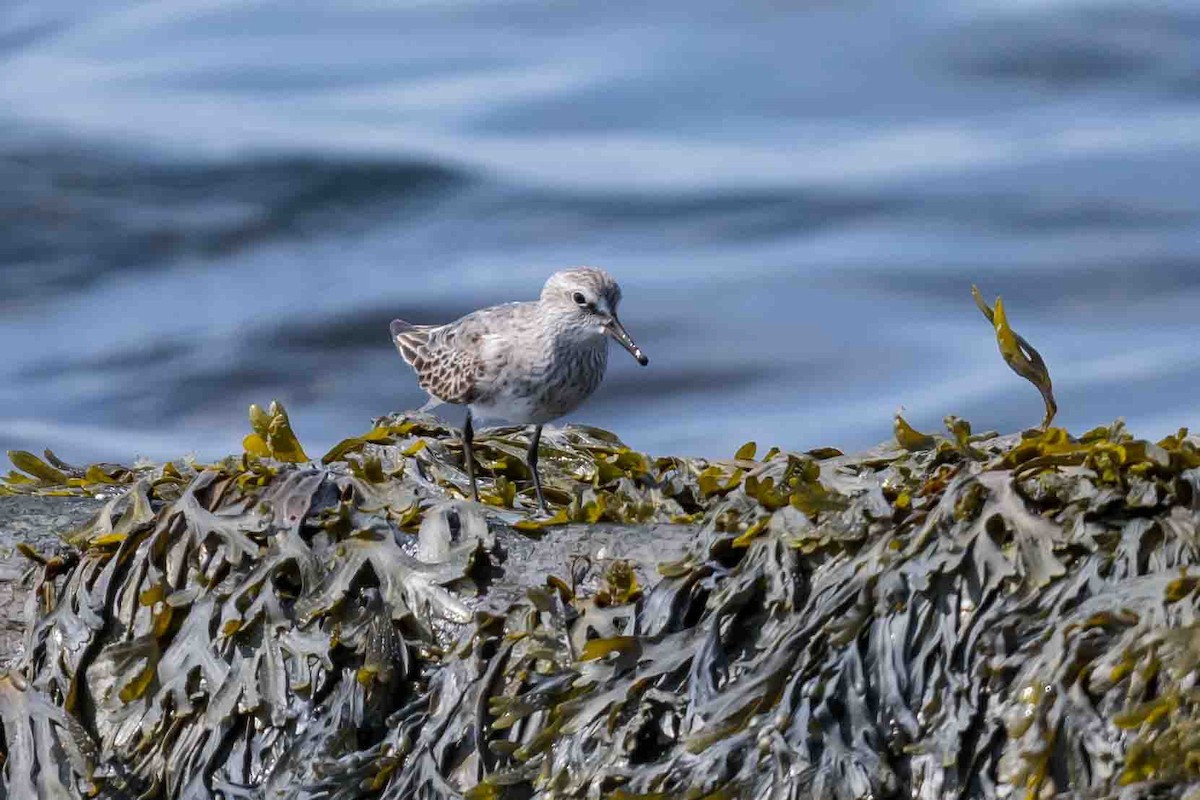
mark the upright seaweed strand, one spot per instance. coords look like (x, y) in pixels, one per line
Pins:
(1019, 354)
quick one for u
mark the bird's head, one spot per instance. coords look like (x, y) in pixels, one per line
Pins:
(588, 297)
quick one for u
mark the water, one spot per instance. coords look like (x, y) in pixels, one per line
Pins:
(209, 203)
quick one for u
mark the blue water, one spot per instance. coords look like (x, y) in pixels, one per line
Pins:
(208, 203)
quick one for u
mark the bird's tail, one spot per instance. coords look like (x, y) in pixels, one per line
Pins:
(409, 339)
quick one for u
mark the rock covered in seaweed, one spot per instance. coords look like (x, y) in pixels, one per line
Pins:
(965, 615)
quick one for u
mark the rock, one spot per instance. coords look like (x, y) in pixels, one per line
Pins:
(38, 522)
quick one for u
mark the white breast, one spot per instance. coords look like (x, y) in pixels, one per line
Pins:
(540, 389)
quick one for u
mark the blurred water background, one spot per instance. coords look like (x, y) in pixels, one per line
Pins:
(207, 203)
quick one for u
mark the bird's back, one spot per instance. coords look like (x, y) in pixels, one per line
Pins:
(510, 362)
(458, 362)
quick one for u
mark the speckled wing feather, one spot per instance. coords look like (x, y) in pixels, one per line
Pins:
(447, 364)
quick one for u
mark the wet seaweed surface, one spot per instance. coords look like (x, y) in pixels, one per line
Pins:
(952, 615)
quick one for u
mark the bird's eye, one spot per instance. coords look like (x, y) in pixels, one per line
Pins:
(579, 299)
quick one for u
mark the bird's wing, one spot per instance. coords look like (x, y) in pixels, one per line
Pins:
(443, 356)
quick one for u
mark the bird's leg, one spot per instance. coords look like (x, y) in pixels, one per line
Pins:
(469, 455)
(532, 459)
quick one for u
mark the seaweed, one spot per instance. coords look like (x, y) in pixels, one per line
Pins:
(273, 435)
(952, 614)
(957, 614)
(1019, 354)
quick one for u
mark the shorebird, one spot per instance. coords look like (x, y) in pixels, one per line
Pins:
(526, 363)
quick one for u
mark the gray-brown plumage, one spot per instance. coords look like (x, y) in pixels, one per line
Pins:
(521, 362)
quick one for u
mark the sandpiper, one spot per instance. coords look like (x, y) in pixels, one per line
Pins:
(527, 363)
